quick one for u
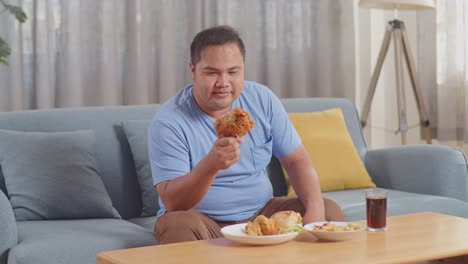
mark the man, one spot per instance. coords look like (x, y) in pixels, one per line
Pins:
(204, 182)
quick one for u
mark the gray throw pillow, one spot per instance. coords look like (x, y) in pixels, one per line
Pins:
(137, 136)
(53, 175)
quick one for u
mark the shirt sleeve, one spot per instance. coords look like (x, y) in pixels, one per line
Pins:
(168, 152)
(285, 137)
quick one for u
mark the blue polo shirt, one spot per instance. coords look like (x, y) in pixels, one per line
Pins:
(181, 135)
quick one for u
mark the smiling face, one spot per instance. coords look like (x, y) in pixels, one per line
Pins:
(218, 78)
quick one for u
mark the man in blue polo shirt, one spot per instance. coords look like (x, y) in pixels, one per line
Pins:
(204, 182)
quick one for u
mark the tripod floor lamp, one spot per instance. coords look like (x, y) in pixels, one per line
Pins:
(396, 29)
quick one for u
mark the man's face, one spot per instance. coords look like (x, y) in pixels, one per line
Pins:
(218, 78)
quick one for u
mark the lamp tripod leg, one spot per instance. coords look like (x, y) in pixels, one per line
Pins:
(401, 101)
(416, 87)
(375, 75)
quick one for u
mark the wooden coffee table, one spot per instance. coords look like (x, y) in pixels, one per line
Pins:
(418, 237)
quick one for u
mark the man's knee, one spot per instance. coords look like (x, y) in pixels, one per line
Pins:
(177, 220)
(333, 211)
(179, 226)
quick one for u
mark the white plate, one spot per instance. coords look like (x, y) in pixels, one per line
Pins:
(334, 235)
(237, 233)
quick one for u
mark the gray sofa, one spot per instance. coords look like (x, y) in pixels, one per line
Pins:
(419, 178)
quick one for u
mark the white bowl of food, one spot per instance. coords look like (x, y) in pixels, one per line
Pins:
(335, 231)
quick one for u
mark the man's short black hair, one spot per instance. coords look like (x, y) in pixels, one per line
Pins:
(218, 35)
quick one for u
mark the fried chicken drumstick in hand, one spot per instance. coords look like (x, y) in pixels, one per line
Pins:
(236, 123)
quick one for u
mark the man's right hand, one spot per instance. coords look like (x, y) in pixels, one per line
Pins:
(225, 152)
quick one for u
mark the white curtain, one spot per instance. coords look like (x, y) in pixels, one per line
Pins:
(443, 68)
(115, 52)
(452, 72)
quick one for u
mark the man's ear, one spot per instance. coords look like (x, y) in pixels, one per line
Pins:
(192, 70)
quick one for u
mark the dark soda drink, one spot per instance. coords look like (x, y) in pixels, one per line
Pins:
(376, 212)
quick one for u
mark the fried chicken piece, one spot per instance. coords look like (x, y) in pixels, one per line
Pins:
(267, 225)
(261, 226)
(236, 123)
(253, 229)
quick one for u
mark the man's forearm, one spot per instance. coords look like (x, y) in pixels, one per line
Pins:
(304, 180)
(183, 193)
(305, 183)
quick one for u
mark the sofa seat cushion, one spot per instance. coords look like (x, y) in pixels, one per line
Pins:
(75, 241)
(147, 222)
(353, 203)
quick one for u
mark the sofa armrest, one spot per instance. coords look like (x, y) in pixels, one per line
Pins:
(426, 169)
(8, 229)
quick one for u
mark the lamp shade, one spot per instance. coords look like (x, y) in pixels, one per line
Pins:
(397, 4)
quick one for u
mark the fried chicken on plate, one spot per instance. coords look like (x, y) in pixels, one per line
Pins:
(261, 226)
(279, 223)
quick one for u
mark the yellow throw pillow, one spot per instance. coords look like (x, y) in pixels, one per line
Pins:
(331, 150)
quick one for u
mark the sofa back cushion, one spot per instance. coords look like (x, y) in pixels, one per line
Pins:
(137, 135)
(53, 175)
(113, 156)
